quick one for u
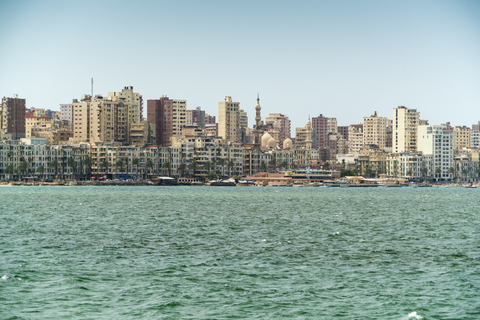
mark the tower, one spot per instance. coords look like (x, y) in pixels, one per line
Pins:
(258, 127)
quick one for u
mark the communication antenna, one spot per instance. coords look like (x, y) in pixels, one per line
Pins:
(92, 87)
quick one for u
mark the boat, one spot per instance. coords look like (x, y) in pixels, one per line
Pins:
(471, 186)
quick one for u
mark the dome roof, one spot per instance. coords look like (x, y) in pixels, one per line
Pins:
(287, 144)
(265, 139)
(272, 143)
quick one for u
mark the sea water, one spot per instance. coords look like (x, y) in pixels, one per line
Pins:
(239, 253)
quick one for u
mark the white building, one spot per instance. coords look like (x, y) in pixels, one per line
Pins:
(437, 141)
(404, 129)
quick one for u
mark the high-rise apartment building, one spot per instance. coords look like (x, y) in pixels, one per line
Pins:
(106, 119)
(32, 121)
(461, 137)
(66, 112)
(355, 138)
(229, 120)
(284, 125)
(179, 108)
(13, 117)
(375, 131)
(195, 117)
(404, 129)
(243, 119)
(160, 113)
(133, 100)
(322, 128)
(438, 142)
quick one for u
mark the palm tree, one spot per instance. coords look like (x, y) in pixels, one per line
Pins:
(464, 173)
(207, 165)
(284, 164)
(10, 169)
(167, 165)
(104, 164)
(409, 173)
(149, 164)
(22, 167)
(451, 170)
(221, 163)
(88, 162)
(54, 165)
(214, 164)
(272, 163)
(326, 165)
(263, 167)
(71, 163)
(135, 163)
(230, 165)
(424, 172)
(40, 169)
(193, 166)
(119, 164)
(438, 171)
(182, 168)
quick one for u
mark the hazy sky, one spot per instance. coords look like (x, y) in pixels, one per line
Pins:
(343, 59)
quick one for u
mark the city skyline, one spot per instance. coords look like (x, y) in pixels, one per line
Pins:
(343, 60)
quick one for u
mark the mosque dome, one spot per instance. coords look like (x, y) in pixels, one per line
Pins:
(265, 139)
(272, 143)
(287, 144)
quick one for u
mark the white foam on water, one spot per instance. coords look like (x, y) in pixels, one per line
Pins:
(414, 315)
(4, 277)
(264, 240)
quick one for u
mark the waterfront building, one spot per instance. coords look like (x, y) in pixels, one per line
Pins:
(437, 141)
(408, 166)
(404, 129)
(229, 120)
(12, 115)
(466, 164)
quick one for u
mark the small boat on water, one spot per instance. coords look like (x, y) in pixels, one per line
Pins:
(471, 186)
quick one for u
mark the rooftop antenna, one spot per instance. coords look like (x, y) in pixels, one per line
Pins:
(92, 87)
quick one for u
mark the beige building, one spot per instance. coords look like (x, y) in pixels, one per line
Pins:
(461, 137)
(404, 129)
(179, 119)
(303, 136)
(33, 121)
(106, 119)
(375, 131)
(284, 125)
(243, 120)
(355, 138)
(229, 120)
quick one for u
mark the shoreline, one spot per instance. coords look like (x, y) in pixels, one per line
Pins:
(149, 183)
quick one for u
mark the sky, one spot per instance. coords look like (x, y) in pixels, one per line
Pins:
(343, 59)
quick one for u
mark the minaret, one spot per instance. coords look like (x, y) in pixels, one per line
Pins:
(308, 138)
(258, 127)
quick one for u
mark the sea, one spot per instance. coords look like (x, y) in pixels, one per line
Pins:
(181, 252)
